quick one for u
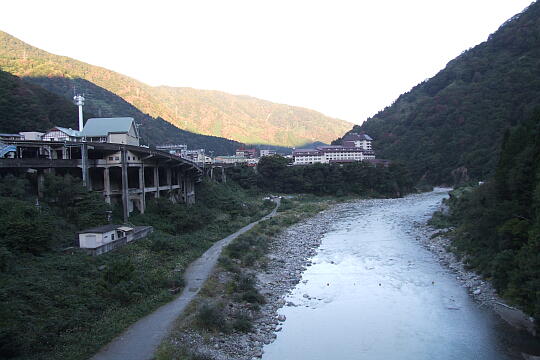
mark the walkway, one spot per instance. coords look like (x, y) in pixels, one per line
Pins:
(140, 340)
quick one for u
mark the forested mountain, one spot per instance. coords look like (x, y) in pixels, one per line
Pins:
(452, 125)
(498, 224)
(28, 107)
(241, 118)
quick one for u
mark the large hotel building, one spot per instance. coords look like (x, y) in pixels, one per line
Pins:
(354, 147)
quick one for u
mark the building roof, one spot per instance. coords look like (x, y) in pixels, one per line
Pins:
(304, 152)
(105, 126)
(101, 229)
(68, 131)
(357, 137)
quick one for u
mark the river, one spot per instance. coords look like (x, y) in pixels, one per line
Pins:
(373, 292)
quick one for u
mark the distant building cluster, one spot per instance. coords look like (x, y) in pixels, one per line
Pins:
(354, 147)
(198, 156)
(243, 156)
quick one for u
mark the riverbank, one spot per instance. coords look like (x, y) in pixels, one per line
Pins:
(481, 290)
(438, 241)
(275, 275)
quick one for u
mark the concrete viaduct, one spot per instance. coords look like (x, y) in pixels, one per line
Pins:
(126, 174)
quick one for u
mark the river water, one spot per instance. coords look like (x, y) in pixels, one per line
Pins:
(373, 292)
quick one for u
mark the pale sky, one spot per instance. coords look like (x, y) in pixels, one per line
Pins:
(347, 59)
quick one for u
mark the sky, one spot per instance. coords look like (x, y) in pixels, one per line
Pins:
(346, 59)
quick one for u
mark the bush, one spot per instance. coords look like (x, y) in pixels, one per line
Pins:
(210, 316)
(242, 322)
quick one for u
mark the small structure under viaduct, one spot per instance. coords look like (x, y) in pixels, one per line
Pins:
(130, 175)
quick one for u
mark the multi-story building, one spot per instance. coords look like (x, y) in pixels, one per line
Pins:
(354, 147)
(247, 153)
(265, 152)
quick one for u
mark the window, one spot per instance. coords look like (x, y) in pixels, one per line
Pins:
(110, 158)
(116, 158)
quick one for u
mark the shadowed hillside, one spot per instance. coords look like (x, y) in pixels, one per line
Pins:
(450, 127)
(28, 107)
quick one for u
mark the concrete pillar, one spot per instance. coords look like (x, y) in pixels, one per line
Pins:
(40, 183)
(141, 187)
(107, 185)
(169, 182)
(184, 189)
(125, 190)
(156, 180)
(84, 165)
(223, 175)
(193, 190)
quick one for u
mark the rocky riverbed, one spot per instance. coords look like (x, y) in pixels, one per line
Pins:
(288, 256)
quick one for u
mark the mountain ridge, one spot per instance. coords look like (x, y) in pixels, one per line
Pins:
(449, 128)
(209, 112)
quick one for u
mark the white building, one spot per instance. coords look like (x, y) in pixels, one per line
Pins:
(267, 152)
(355, 147)
(32, 135)
(101, 235)
(62, 134)
(222, 159)
(102, 239)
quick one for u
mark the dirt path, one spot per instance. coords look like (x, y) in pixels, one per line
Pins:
(140, 340)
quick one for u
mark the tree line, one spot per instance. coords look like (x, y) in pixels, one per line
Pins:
(498, 223)
(275, 174)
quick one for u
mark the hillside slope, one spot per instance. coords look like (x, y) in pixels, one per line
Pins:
(452, 125)
(241, 118)
(28, 107)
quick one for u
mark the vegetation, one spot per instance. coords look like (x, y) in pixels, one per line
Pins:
(241, 118)
(361, 179)
(498, 223)
(57, 303)
(27, 107)
(449, 128)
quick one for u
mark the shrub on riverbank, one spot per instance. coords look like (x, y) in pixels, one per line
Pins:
(66, 305)
(498, 223)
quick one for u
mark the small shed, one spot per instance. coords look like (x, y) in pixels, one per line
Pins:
(102, 239)
(101, 235)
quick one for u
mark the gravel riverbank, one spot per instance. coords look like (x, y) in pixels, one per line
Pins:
(288, 257)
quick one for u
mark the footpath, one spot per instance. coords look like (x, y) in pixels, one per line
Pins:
(140, 340)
